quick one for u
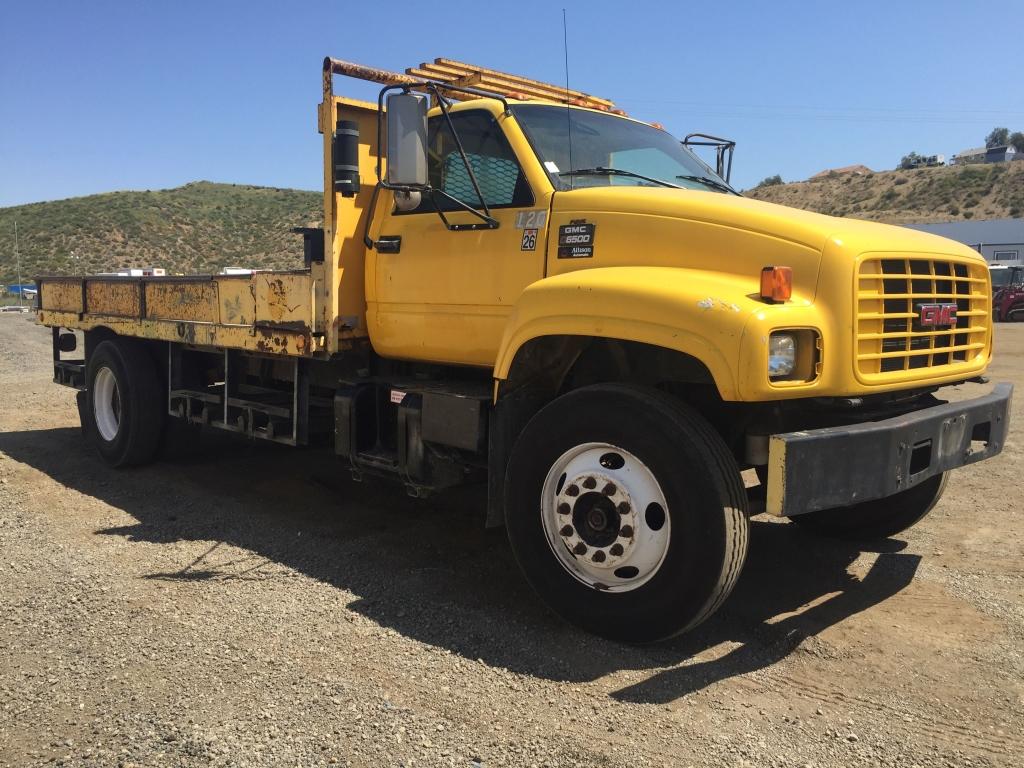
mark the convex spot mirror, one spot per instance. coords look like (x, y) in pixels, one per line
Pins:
(407, 139)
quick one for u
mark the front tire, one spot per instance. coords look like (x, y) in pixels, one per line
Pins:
(879, 518)
(626, 512)
(124, 405)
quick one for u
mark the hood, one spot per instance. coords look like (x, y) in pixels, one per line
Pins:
(728, 233)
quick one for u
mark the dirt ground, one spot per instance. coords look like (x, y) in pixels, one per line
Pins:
(253, 606)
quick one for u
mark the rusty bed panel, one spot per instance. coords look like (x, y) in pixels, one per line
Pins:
(266, 312)
(61, 295)
(119, 298)
(195, 301)
(283, 300)
(271, 341)
(237, 301)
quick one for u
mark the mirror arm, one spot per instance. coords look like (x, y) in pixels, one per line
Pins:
(487, 221)
(722, 146)
(367, 240)
(462, 153)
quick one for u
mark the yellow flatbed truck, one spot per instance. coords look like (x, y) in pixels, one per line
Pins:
(520, 285)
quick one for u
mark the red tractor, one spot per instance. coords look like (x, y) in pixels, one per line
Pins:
(1008, 293)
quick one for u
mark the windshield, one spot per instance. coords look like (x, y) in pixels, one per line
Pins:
(610, 151)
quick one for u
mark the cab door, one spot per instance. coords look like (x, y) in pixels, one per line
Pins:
(443, 295)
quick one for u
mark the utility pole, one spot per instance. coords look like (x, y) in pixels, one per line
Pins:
(17, 258)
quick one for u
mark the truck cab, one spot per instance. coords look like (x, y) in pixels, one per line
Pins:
(521, 286)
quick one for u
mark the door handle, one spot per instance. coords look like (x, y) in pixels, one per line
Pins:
(389, 244)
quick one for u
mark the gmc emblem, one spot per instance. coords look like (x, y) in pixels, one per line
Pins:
(937, 315)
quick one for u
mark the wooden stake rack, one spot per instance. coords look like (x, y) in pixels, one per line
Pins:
(459, 74)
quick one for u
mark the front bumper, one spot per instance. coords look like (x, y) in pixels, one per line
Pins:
(839, 466)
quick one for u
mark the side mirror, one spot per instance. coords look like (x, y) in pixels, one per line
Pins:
(724, 149)
(407, 139)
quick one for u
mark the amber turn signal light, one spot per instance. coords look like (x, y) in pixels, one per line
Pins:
(776, 283)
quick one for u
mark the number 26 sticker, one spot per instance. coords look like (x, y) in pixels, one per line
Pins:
(529, 240)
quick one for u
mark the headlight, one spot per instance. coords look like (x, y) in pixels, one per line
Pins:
(781, 355)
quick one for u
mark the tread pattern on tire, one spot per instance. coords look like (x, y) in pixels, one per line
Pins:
(737, 527)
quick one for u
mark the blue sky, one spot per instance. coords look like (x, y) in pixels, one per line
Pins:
(98, 96)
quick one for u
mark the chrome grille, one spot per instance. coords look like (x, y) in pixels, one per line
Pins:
(891, 342)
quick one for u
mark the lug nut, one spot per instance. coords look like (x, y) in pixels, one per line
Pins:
(609, 490)
(615, 550)
(590, 483)
(580, 549)
(572, 490)
(626, 531)
(623, 508)
(566, 530)
(598, 557)
(564, 509)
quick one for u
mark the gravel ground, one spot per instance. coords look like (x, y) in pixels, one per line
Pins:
(251, 606)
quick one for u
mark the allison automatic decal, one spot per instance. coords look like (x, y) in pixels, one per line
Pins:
(576, 240)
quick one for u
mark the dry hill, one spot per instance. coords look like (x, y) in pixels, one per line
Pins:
(993, 191)
(197, 228)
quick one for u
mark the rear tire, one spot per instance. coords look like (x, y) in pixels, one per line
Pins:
(879, 518)
(124, 411)
(654, 502)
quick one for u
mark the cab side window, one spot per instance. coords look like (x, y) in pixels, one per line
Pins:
(501, 180)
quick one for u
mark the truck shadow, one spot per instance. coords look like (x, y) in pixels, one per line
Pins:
(428, 569)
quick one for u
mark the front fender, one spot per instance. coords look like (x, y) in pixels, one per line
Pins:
(692, 311)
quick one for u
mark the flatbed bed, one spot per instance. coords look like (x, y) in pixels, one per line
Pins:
(268, 312)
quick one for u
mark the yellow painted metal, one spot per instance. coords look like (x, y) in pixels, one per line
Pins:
(237, 300)
(64, 294)
(654, 305)
(259, 339)
(283, 298)
(342, 276)
(446, 296)
(267, 312)
(194, 301)
(118, 298)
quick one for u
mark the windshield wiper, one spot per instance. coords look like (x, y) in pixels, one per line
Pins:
(599, 171)
(709, 182)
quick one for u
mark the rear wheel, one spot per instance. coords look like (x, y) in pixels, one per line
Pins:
(878, 518)
(626, 512)
(123, 408)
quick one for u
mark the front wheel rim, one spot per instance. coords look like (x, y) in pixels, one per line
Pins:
(605, 517)
(106, 404)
